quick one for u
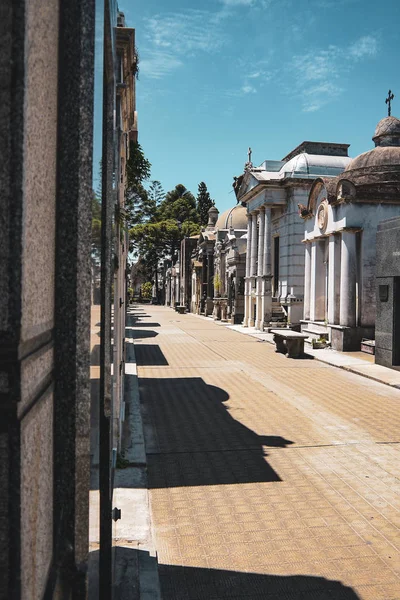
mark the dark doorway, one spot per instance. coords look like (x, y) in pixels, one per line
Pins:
(276, 266)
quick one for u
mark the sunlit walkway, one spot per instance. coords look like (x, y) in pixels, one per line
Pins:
(269, 477)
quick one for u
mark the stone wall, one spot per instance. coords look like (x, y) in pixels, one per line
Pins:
(45, 193)
(387, 327)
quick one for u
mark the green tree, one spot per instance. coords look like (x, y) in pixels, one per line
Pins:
(160, 236)
(138, 168)
(139, 205)
(204, 203)
(146, 289)
(156, 193)
(179, 204)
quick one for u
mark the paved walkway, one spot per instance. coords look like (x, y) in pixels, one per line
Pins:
(355, 362)
(270, 478)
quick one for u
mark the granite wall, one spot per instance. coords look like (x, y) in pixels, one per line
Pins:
(387, 327)
(45, 195)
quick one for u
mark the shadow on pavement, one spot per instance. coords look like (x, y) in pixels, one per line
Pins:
(150, 355)
(137, 320)
(189, 583)
(133, 318)
(95, 356)
(136, 572)
(137, 334)
(192, 439)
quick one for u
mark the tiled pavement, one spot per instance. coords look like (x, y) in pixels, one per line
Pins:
(270, 478)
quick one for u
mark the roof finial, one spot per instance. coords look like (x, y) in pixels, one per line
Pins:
(249, 164)
(388, 102)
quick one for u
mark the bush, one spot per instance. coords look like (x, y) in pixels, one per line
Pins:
(146, 289)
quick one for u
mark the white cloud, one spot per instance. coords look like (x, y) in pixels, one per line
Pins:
(318, 73)
(159, 64)
(333, 3)
(318, 96)
(248, 89)
(365, 46)
(172, 37)
(184, 32)
(237, 2)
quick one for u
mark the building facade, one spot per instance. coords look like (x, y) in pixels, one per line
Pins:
(341, 220)
(60, 399)
(272, 194)
(387, 325)
(46, 120)
(229, 265)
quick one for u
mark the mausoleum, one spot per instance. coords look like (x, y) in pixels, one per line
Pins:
(274, 282)
(341, 220)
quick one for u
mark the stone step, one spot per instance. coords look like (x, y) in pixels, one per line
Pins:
(276, 325)
(314, 327)
(310, 343)
(315, 334)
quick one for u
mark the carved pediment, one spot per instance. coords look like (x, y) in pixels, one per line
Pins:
(249, 182)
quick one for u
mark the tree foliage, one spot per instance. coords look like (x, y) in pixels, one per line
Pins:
(156, 193)
(179, 204)
(138, 168)
(204, 203)
(157, 221)
(138, 203)
(146, 289)
(154, 241)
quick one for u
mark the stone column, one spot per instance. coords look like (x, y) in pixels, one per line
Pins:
(260, 268)
(267, 242)
(203, 287)
(334, 279)
(266, 268)
(248, 247)
(307, 280)
(348, 272)
(253, 264)
(246, 280)
(253, 254)
(209, 260)
(261, 240)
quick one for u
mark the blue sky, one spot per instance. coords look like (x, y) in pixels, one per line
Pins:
(221, 75)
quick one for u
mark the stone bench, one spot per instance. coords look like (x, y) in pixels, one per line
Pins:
(180, 309)
(289, 342)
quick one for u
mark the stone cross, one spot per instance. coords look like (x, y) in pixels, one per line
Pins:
(249, 151)
(388, 102)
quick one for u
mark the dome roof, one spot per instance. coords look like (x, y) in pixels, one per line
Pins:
(387, 148)
(313, 165)
(387, 132)
(235, 217)
(378, 157)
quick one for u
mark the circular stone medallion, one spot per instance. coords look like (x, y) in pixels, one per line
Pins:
(322, 215)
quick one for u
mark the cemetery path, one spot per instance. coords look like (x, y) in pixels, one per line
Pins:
(270, 478)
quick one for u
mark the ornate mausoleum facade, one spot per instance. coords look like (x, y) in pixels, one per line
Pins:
(217, 266)
(272, 192)
(341, 220)
(229, 265)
